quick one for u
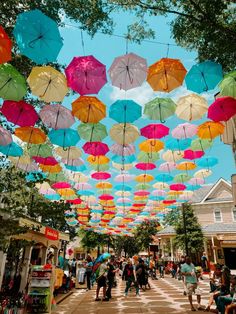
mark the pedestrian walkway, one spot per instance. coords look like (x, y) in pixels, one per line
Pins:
(166, 296)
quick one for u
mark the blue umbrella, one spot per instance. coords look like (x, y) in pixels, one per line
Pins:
(76, 168)
(52, 197)
(207, 162)
(192, 187)
(122, 187)
(11, 149)
(156, 198)
(37, 36)
(204, 76)
(175, 144)
(123, 159)
(85, 193)
(163, 177)
(64, 137)
(35, 176)
(125, 111)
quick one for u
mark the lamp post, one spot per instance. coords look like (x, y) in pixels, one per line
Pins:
(159, 246)
(185, 230)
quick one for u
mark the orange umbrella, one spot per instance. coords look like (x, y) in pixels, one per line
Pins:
(98, 160)
(103, 185)
(5, 46)
(144, 178)
(88, 109)
(151, 145)
(166, 74)
(30, 135)
(186, 166)
(210, 130)
(50, 169)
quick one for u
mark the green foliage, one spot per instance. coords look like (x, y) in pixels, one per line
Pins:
(127, 244)
(194, 236)
(144, 234)
(172, 217)
(90, 239)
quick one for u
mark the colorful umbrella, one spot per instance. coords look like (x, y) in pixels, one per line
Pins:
(128, 71)
(210, 130)
(203, 173)
(167, 166)
(204, 76)
(86, 75)
(126, 177)
(222, 109)
(51, 169)
(37, 36)
(186, 166)
(148, 157)
(12, 83)
(95, 148)
(20, 113)
(159, 193)
(191, 154)
(207, 162)
(163, 177)
(43, 150)
(161, 186)
(103, 185)
(5, 46)
(177, 187)
(47, 83)
(72, 162)
(191, 107)
(99, 167)
(30, 135)
(56, 116)
(122, 167)
(98, 160)
(171, 155)
(160, 109)
(151, 145)
(101, 175)
(145, 166)
(124, 134)
(124, 111)
(11, 149)
(144, 178)
(184, 130)
(5, 137)
(64, 137)
(166, 75)
(176, 144)
(61, 185)
(196, 181)
(123, 159)
(123, 150)
(154, 131)
(49, 161)
(71, 153)
(88, 109)
(92, 132)
(200, 144)
(228, 85)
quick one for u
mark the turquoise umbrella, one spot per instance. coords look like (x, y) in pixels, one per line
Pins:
(204, 76)
(207, 161)
(76, 168)
(121, 187)
(11, 149)
(125, 111)
(176, 144)
(37, 36)
(64, 137)
(12, 83)
(163, 177)
(123, 159)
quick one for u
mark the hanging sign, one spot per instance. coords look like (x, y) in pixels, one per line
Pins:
(51, 233)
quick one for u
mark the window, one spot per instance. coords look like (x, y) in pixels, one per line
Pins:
(217, 215)
(234, 214)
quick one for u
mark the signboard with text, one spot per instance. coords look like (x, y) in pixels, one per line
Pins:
(51, 234)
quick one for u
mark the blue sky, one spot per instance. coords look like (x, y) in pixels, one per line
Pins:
(105, 48)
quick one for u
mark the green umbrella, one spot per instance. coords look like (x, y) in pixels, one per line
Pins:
(104, 191)
(97, 167)
(148, 157)
(12, 83)
(228, 85)
(201, 144)
(92, 132)
(182, 177)
(143, 186)
(56, 177)
(42, 150)
(171, 197)
(160, 109)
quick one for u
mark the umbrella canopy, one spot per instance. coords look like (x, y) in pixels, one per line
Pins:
(12, 83)
(210, 130)
(203, 173)
(124, 134)
(49, 161)
(61, 185)
(171, 155)
(176, 144)
(184, 130)
(222, 109)
(98, 160)
(207, 162)
(148, 157)
(154, 131)
(5, 137)
(124, 111)
(95, 148)
(193, 154)
(144, 178)
(159, 109)
(204, 76)
(196, 181)
(191, 107)
(71, 153)
(47, 83)
(43, 42)
(166, 75)
(56, 116)
(186, 166)
(88, 109)
(201, 144)
(100, 175)
(122, 167)
(123, 159)
(128, 71)
(161, 186)
(228, 85)
(11, 149)
(5, 46)
(103, 185)
(123, 150)
(30, 135)
(126, 177)
(92, 132)
(167, 166)
(163, 177)
(43, 150)
(177, 187)
(145, 166)
(86, 75)
(72, 162)
(151, 145)
(64, 137)
(51, 169)
(20, 113)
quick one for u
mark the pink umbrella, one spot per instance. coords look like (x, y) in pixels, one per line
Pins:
(19, 112)
(142, 193)
(167, 166)
(123, 150)
(73, 162)
(126, 177)
(196, 181)
(5, 137)
(177, 187)
(86, 75)
(128, 71)
(101, 175)
(145, 166)
(193, 154)
(27, 167)
(95, 148)
(83, 186)
(49, 161)
(56, 116)
(155, 131)
(222, 109)
(124, 200)
(48, 191)
(61, 185)
(185, 130)
(159, 192)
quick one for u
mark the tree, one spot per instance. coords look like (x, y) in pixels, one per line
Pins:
(171, 217)
(143, 235)
(127, 244)
(189, 235)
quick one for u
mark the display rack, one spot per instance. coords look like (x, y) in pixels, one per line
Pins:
(41, 288)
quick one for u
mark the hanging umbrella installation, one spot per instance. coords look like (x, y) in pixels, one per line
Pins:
(5, 137)
(222, 109)
(228, 85)
(5, 46)
(160, 109)
(56, 116)
(124, 134)
(191, 107)
(124, 111)
(92, 132)
(210, 130)
(64, 137)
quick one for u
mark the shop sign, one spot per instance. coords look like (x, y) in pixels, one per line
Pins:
(51, 234)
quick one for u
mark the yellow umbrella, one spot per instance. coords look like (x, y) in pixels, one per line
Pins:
(50, 169)
(89, 109)
(191, 107)
(151, 145)
(71, 153)
(124, 134)
(123, 167)
(175, 193)
(210, 130)
(98, 160)
(161, 186)
(203, 173)
(172, 156)
(47, 83)
(65, 192)
(103, 185)
(24, 159)
(186, 165)
(144, 178)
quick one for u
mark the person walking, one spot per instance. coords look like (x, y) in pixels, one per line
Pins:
(130, 277)
(204, 262)
(89, 266)
(102, 280)
(161, 266)
(110, 277)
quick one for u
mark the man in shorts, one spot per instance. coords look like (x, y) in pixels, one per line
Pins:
(102, 281)
(188, 271)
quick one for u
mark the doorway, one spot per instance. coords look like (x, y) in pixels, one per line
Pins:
(230, 257)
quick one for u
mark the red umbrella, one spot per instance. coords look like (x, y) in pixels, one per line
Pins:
(145, 166)
(19, 113)
(155, 131)
(177, 187)
(5, 46)
(101, 175)
(106, 197)
(169, 202)
(95, 148)
(141, 193)
(193, 154)
(49, 161)
(222, 109)
(76, 201)
(61, 185)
